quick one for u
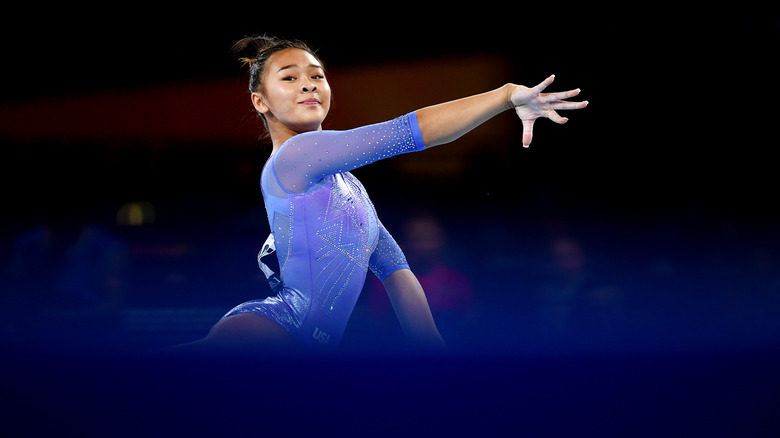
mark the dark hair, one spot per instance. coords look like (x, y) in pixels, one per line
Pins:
(254, 52)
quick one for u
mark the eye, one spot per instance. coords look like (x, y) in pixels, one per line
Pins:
(318, 76)
(288, 78)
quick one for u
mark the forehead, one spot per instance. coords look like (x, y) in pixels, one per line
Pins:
(292, 58)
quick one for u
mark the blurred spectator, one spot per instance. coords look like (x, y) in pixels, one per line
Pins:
(575, 302)
(449, 291)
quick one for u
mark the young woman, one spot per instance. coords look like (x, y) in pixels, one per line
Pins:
(324, 227)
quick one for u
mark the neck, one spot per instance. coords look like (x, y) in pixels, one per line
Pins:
(280, 134)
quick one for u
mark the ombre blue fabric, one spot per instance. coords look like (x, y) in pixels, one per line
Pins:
(326, 230)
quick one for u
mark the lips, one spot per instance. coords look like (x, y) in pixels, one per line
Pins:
(311, 101)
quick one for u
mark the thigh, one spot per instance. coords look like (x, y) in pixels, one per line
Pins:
(251, 331)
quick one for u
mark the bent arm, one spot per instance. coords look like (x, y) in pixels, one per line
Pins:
(412, 309)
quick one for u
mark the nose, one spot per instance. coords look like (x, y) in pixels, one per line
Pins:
(309, 88)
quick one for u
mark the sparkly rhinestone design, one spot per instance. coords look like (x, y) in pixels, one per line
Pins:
(326, 229)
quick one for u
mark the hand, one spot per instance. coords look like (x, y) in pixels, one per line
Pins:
(530, 104)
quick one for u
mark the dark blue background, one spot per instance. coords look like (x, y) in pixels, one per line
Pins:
(666, 181)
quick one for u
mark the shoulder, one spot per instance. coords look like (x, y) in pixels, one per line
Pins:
(305, 139)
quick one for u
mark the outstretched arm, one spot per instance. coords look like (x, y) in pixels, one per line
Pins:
(412, 309)
(443, 123)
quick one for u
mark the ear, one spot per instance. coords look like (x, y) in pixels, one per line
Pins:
(259, 103)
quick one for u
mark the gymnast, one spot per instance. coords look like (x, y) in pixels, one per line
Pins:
(324, 229)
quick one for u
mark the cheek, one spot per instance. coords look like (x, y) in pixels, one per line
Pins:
(327, 91)
(277, 93)
(327, 97)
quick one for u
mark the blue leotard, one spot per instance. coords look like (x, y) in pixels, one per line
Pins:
(326, 230)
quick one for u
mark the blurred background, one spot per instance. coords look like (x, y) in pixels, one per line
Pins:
(646, 227)
(132, 212)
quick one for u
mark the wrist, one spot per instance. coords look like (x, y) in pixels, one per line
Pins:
(508, 89)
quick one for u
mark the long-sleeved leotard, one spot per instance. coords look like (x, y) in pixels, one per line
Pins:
(326, 230)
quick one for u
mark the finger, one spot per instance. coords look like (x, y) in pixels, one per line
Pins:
(544, 84)
(560, 95)
(555, 117)
(560, 105)
(528, 132)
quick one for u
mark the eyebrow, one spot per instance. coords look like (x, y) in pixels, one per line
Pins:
(296, 65)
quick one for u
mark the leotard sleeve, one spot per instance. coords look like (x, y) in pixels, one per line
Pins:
(307, 158)
(387, 257)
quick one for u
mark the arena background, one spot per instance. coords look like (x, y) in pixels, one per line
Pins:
(663, 190)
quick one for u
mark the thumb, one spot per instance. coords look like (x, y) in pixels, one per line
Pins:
(528, 132)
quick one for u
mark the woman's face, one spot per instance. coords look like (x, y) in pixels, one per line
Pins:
(294, 95)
